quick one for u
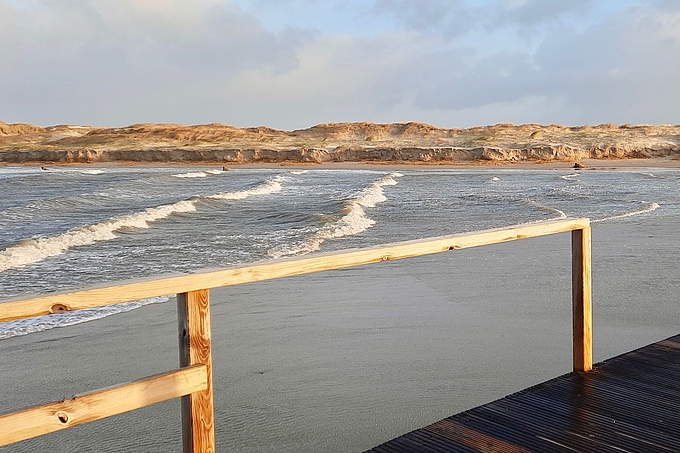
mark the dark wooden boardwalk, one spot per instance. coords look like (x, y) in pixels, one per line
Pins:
(630, 403)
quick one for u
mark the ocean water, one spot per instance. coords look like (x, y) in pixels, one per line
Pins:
(71, 227)
(338, 361)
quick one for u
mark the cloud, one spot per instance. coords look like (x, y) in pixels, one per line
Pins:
(116, 63)
(84, 60)
(622, 70)
(337, 77)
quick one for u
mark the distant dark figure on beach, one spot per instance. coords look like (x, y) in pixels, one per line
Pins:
(226, 168)
(44, 168)
(579, 165)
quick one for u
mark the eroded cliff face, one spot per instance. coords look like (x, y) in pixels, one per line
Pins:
(335, 142)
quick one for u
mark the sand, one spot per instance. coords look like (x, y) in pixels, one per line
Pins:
(591, 164)
(362, 141)
(344, 360)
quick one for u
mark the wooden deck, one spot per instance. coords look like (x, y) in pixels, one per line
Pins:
(630, 403)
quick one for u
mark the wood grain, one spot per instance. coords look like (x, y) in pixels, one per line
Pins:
(124, 291)
(100, 404)
(581, 299)
(198, 424)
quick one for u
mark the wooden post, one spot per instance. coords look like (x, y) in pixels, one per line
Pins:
(581, 299)
(198, 424)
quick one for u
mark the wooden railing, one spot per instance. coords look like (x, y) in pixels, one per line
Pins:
(193, 380)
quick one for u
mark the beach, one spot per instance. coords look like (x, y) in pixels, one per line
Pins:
(344, 360)
(589, 164)
(151, 147)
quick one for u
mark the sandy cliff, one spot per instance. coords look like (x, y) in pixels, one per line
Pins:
(335, 142)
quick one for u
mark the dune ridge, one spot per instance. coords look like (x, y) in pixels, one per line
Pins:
(334, 142)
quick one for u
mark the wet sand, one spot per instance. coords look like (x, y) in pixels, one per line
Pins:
(590, 164)
(344, 360)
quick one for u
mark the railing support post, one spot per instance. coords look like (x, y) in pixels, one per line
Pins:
(198, 424)
(581, 299)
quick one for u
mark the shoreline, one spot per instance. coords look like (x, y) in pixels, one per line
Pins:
(590, 164)
(338, 356)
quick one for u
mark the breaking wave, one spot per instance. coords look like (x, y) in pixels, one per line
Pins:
(560, 214)
(70, 318)
(198, 174)
(195, 174)
(354, 221)
(649, 208)
(30, 251)
(569, 177)
(267, 187)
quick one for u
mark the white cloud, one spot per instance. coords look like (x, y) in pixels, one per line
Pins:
(192, 61)
(337, 78)
(120, 62)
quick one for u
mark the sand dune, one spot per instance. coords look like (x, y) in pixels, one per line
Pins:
(335, 142)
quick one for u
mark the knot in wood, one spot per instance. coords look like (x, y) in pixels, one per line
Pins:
(58, 308)
(385, 257)
(62, 416)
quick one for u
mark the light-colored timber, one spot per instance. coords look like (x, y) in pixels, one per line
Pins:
(125, 291)
(198, 424)
(100, 404)
(193, 381)
(581, 303)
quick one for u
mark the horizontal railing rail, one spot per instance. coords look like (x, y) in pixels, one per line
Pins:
(193, 381)
(128, 290)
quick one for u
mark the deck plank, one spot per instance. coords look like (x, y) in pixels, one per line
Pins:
(630, 403)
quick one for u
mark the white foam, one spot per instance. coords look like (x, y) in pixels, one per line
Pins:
(568, 177)
(70, 318)
(354, 221)
(493, 179)
(92, 172)
(215, 172)
(269, 186)
(196, 174)
(299, 172)
(649, 208)
(31, 251)
(560, 214)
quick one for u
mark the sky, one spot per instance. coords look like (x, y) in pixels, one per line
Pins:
(291, 64)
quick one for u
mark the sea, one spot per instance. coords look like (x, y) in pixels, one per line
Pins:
(69, 227)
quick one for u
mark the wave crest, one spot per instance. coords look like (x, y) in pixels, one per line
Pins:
(31, 251)
(193, 174)
(569, 177)
(354, 221)
(649, 208)
(269, 186)
(560, 214)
